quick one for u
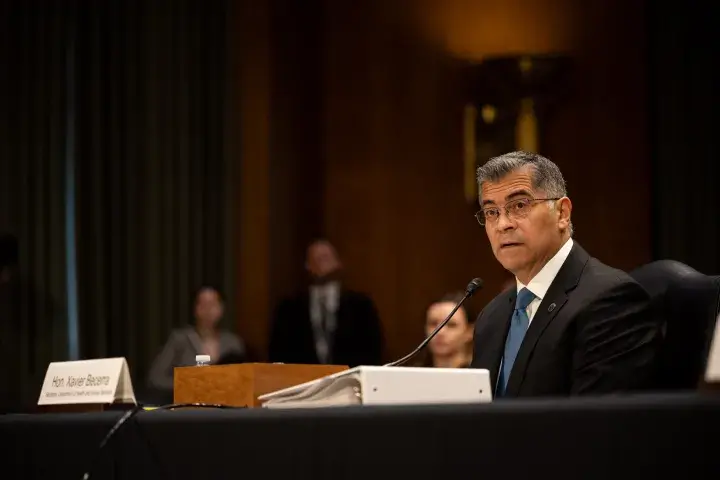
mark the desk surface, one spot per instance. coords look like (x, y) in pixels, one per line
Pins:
(570, 438)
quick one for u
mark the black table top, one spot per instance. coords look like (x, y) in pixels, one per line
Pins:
(565, 438)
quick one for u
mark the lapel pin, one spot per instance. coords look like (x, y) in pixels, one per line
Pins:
(551, 307)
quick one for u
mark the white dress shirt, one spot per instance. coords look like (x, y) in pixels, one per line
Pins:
(541, 282)
(327, 296)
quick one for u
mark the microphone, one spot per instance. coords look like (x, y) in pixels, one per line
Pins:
(473, 286)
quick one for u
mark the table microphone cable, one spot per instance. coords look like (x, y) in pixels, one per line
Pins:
(131, 414)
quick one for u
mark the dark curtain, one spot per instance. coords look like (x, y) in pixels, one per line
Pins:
(33, 128)
(154, 203)
(684, 105)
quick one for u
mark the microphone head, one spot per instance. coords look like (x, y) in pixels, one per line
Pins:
(474, 285)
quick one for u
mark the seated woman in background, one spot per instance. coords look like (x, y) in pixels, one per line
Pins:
(452, 347)
(202, 338)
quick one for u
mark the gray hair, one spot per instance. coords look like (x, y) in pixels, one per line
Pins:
(546, 175)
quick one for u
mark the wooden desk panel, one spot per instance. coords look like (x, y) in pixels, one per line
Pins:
(240, 385)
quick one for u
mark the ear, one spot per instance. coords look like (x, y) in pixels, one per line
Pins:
(564, 208)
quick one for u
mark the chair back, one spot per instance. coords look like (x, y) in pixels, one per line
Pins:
(688, 303)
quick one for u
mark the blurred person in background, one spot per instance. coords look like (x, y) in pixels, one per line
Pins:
(30, 326)
(326, 323)
(452, 347)
(203, 337)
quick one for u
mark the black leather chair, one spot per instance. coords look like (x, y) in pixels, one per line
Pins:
(688, 302)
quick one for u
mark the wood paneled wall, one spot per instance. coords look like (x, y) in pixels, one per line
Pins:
(364, 145)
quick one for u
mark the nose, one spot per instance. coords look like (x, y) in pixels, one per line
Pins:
(504, 222)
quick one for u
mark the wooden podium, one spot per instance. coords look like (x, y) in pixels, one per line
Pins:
(240, 385)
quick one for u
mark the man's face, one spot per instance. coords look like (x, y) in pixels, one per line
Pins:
(524, 241)
(322, 260)
(208, 308)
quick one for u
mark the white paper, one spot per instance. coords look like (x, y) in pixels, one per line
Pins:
(712, 371)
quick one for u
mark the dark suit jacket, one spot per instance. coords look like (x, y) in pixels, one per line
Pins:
(593, 333)
(358, 336)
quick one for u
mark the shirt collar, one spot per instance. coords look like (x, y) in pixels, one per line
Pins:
(541, 282)
(329, 292)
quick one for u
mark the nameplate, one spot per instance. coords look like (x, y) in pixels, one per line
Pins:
(712, 371)
(105, 380)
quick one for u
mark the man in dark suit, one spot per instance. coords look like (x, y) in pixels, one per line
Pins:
(326, 323)
(573, 325)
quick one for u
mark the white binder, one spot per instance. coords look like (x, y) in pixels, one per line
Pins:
(368, 385)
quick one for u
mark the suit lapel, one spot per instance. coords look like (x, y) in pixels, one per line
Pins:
(557, 295)
(493, 336)
(342, 306)
(340, 325)
(304, 324)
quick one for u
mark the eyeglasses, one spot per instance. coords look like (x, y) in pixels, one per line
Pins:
(514, 210)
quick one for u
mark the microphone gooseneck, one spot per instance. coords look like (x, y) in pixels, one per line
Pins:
(474, 285)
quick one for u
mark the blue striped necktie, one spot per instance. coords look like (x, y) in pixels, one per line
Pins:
(518, 326)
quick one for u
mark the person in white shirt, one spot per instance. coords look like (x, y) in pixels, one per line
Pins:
(572, 325)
